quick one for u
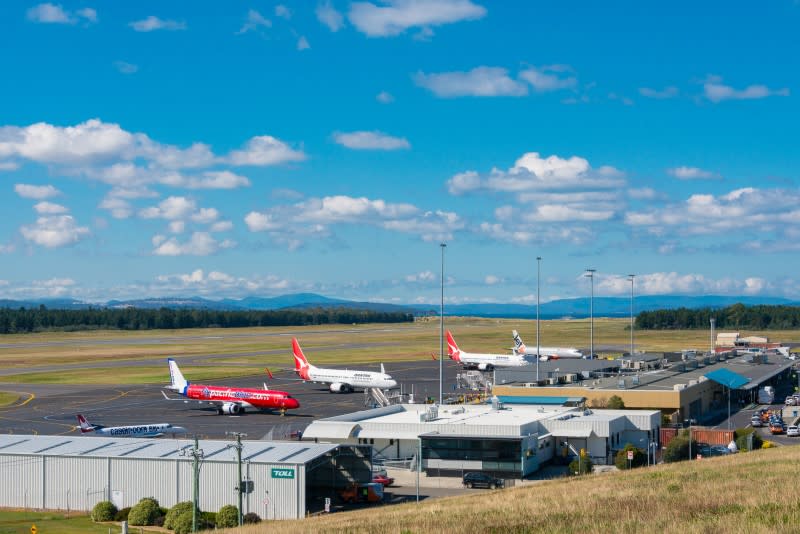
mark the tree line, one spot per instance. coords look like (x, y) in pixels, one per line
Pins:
(41, 319)
(737, 316)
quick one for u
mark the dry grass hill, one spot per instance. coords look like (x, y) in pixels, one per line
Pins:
(749, 492)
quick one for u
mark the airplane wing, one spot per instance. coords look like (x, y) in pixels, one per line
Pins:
(216, 402)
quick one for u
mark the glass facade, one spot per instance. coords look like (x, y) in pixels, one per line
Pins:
(497, 455)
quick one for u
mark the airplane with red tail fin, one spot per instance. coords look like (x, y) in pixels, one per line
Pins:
(482, 362)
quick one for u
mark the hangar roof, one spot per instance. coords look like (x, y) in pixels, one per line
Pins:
(272, 452)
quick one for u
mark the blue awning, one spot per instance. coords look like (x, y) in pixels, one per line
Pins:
(727, 378)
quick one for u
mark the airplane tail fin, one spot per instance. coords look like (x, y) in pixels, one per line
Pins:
(301, 365)
(519, 346)
(177, 381)
(452, 348)
(84, 425)
(383, 371)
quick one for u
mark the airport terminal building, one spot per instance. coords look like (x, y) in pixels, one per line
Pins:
(289, 479)
(511, 441)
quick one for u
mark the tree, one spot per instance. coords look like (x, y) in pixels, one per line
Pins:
(678, 449)
(741, 439)
(621, 459)
(615, 402)
(228, 516)
(584, 463)
(144, 513)
(104, 511)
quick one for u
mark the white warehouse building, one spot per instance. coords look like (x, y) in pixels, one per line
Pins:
(289, 479)
(510, 441)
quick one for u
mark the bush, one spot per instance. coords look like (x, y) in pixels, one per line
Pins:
(768, 444)
(615, 402)
(251, 518)
(144, 513)
(104, 511)
(175, 511)
(639, 457)
(678, 449)
(122, 515)
(741, 439)
(182, 523)
(228, 516)
(208, 520)
(585, 466)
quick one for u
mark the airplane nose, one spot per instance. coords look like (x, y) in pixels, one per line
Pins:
(392, 383)
(293, 403)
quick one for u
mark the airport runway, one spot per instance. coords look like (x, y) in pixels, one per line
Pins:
(51, 409)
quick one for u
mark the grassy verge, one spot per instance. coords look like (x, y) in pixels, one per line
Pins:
(128, 375)
(20, 522)
(7, 398)
(748, 492)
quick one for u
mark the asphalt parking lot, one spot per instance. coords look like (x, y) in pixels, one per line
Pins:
(51, 409)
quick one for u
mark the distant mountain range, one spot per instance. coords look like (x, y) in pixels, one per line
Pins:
(577, 308)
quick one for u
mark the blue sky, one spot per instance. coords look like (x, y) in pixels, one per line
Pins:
(261, 148)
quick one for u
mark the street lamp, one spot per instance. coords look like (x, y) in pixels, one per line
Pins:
(590, 274)
(630, 278)
(538, 349)
(441, 328)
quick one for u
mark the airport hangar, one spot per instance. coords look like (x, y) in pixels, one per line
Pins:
(289, 479)
(682, 387)
(508, 441)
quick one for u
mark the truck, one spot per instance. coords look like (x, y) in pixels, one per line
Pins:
(370, 492)
(766, 395)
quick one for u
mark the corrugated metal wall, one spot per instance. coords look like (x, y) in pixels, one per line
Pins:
(78, 483)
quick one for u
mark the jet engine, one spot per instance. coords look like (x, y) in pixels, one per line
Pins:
(485, 367)
(338, 387)
(231, 408)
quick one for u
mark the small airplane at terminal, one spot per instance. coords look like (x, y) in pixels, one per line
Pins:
(545, 353)
(339, 380)
(230, 401)
(483, 362)
(132, 431)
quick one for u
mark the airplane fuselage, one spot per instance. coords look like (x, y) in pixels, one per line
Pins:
(139, 431)
(249, 398)
(354, 379)
(487, 361)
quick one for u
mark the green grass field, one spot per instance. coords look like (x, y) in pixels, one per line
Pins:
(330, 345)
(740, 494)
(8, 398)
(20, 522)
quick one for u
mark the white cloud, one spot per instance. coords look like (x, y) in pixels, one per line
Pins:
(480, 81)
(643, 193)
(384, 97)
(170, 208)
(152, 23)
(513, 232)
(396, 16)
(216, 282)
(221, 226)
(49, 208)
(213, 180)
(265, 150)
(665, 283)
(54, 231)
(126, 68)
(119, 208)
(47, 13)
(329, 16)
(205, 215)
(374, 140)
(667, 92)
(691, 173)
(549, 78)
(253, 22)
(200, 244)
(177, 227)
(531, 172)
(715, 91)
(492, 280)
(424, 277)
(38, 192)
(283, 12)
(302, 43)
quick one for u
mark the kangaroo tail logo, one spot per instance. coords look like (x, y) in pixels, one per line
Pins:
(84, 424)
(452, 348)
(301, 364)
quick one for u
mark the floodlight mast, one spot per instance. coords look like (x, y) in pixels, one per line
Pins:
(590, 274)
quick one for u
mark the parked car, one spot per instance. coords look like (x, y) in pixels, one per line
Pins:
(383, 479)
(756, 421)
(776, 428)
(790, 401)
(793, 431)
(481, 480)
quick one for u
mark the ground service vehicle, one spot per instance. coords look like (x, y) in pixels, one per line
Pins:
(362, 493)
(383, 480)
(481, 480)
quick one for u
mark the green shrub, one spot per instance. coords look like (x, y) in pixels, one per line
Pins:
(678, 449)
(104, 511)
(251, 518)
(741, 439)
(182, 523)
(615, 402)
(122, 515)
(208, 520)
(585, 466)
(144, 513)
(621, 459)
(175, 511)
(228, 516)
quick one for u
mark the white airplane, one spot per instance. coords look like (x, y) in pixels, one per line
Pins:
(339, 380)
(132, 431)
(483, 362)
(545, 353)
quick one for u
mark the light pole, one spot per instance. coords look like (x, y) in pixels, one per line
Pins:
(441, 328)
(239, 489)
(538, 349)
(590, 274)
(631, 277)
